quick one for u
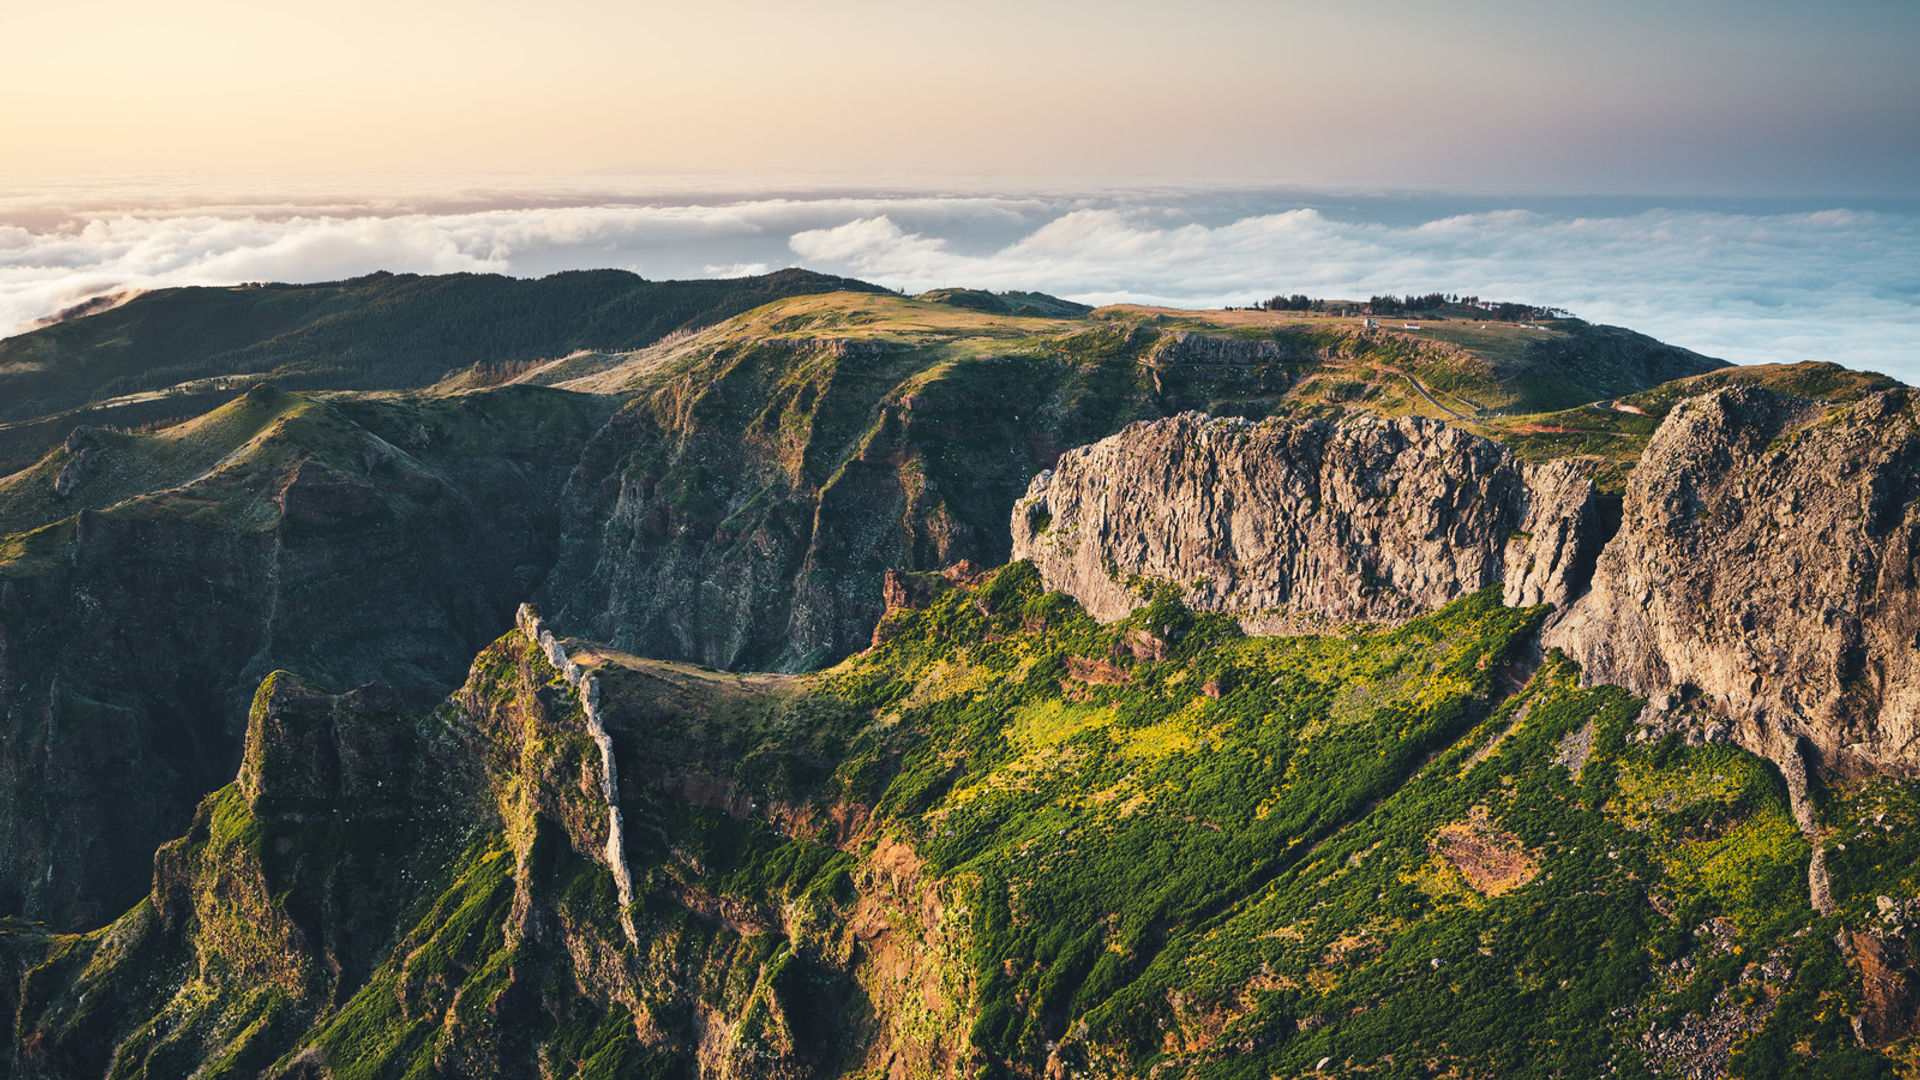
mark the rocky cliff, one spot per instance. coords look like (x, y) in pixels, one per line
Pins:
(1767, 569)
(1290, 524)
(1764, 571)
(742, 510)
(734, 497)
(384, 893)
(354, 541)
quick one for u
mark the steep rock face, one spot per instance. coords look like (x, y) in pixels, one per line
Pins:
(274, 903)
(1292, 523)
(1182, 347)
(385, 894)
(743, 513)
(309, 752)
(1767, 562)
(353, 541)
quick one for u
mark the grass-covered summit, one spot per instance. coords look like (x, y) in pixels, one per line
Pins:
(169, 354)
(769, 469)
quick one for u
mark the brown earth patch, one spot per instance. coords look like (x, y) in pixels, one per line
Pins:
(1090, 670)
(1493, 861)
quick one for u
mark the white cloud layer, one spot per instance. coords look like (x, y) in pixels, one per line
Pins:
(1749, 285)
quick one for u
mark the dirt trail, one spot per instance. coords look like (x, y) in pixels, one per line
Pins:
(1430, 397)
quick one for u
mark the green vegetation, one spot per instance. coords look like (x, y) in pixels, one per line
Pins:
(1361, 848)
(1410, 851)
(171, 353)
(121, 466)
(1610, 435)
(1875, 849)
(1007, 835)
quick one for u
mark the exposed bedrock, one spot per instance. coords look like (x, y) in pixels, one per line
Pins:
(1765, 566)
(1289, 524)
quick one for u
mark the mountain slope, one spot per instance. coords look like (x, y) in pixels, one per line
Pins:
(376, 332)
(1009, 842)
(1006, 839)
(734, 497)
(742, 508)
(355, 540)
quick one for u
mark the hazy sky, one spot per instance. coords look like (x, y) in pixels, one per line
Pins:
(1670, 97)
(1738, 176)
(1744, 280)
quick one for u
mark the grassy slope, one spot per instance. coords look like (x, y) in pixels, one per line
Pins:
(229, 463)
(1310, 864)
(391, 331)
(132, 465)
(1484, 375)
(1474, 369)
(1239, 860)
(1611, 434)
(156, 357)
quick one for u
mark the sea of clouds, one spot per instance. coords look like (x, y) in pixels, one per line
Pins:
(1750, 284)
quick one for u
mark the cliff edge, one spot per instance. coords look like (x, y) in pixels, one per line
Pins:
(1765, 568)
(1293, 524)
(1765, 576)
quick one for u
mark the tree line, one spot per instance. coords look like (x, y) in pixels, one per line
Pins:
(1412, 304)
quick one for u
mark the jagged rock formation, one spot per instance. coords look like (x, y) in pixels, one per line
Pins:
(587, 687)
(1302, 523)
(1882, 951)
(1768, 562)
(380, 893)
(81, 455)
(743, 510)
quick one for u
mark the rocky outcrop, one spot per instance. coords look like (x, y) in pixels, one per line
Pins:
(82, 456)
(914, 590)
(449, 895)
(744, 513)
(309, 751)
(1183, 347)
(1767, 566)
(1890, 1005)
(1293, 524)
(588, 687)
